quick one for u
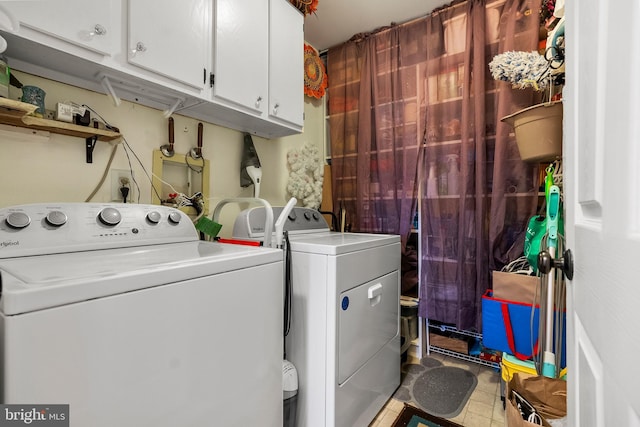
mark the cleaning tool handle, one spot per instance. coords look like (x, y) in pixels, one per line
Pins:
(548, 180)
(279, 228)
(553, 212)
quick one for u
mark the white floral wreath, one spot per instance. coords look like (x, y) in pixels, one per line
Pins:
(305, 175)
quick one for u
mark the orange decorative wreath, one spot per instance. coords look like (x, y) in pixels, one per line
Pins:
(305, 6)
(315, 76)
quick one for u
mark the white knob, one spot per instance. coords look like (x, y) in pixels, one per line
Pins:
(18, 220)
(88, 35)
(258, 101)
(174, 217)
(98, 30)
(275, 109)
(56, 218)
(154, 217)
(140, 47)
(110, 216)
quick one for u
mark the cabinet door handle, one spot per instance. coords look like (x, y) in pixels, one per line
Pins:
(88, 35)
(275, 109)
(98, 30)
(258, 101)
(140, 47)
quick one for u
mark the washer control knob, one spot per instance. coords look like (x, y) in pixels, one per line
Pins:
(316, 216)
(56, 218)
(174, 217)
(292, 216)
(154, 217)
(307, 216)
(18, 220)
(110, 216)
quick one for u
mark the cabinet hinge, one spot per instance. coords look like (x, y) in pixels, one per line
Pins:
(212, 79)
(204, 76)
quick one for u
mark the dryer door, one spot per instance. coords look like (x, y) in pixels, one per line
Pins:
(368, 319)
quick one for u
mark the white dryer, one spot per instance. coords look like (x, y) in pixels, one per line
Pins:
(122, 313)
(344, 338)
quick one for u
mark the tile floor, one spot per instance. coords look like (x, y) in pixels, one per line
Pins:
(483, 409)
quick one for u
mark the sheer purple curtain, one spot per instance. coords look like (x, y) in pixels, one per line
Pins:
(478, 194)
(374, 138)
(454, 205)
(514, 188)
(344, 65)
(414, 106)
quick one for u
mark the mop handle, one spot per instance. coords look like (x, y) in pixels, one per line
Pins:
(553, 209)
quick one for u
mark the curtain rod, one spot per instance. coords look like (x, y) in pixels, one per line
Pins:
(453, 5)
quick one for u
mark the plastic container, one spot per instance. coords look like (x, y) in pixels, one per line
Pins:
(409, 318)
(289, 394)
(35, 96)
(454, 30)
(5, 77)
(538, 131)
(432, 182)
(453, 175)
(511, 364)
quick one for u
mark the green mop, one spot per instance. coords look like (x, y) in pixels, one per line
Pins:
(552, 197)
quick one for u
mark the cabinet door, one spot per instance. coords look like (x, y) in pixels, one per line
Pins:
(286, 62)
(91, 24)
(170, 38)
(241, 54)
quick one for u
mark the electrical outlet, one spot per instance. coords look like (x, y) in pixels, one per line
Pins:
(120, 178)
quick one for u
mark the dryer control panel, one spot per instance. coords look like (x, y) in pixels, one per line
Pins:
(250, 222)
(49, 228)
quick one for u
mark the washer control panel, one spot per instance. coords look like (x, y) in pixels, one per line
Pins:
(41, 229)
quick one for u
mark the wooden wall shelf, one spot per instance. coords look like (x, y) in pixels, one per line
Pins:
(16, 113)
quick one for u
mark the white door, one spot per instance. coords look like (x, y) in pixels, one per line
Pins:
(170, 38)
(241, 54)
(602, 190)
(89, 24)
(286, 63)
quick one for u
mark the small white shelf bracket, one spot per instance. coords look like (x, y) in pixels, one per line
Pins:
(106, 85)
(168, 112)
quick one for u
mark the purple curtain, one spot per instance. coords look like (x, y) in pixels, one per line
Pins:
(344, 65)
(414, 107)
(374, 119)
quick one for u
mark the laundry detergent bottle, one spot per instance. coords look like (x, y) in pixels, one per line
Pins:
(453, 175)
(432, 182)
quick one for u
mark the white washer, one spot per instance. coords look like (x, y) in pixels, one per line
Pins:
(122, 313)
(344, 338)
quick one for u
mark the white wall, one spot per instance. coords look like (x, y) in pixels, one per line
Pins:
(35, 171)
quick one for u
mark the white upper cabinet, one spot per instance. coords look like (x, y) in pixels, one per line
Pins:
(89, 24)
(241, 54)
(170, 38)
(235, 63)
(286, 63)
